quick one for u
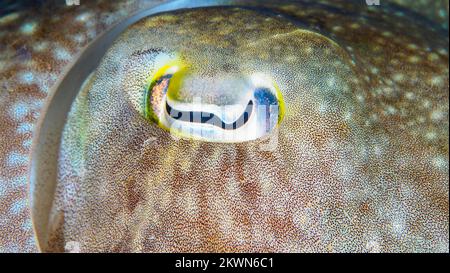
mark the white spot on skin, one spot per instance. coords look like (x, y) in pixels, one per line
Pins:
(391, 110)
(443, 51)
(18, 206)
(19, 111)
(16, 159)
(92, 33)
(410, 95)
(426, 104)
(323, 108)
(433, 57)
(226, 222)
(331, 82)
(26, 225)
(26, 77)
(398, 77)
(40, 46)
(301, 218)
(3, 189)
(360, 98)
(83, 17)
(79, 38)
(291, 58)
(437, 115)
(378, 151)
(28, 28)
(440, 162)
(27, 143)
(337, 28)
(62, 54)
(374, 70)
(190, 203)
(431, 135)
(373, 247)
(3, 65)
(398, 226)
(345, 171)
(413, 46)
(307, 50)
(414, 59)
(14, 183)
(421, 119)
(348, 116)
(45, 80)
(24, 128)
(437, 81)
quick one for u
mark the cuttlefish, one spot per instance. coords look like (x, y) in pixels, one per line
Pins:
(255, 127)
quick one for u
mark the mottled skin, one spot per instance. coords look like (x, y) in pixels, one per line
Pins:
(364, 169)
(329, 184)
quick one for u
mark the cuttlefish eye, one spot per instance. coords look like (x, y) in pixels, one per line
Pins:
(253, 114)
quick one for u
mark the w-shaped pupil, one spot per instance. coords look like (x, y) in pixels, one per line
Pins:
(210, 118)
